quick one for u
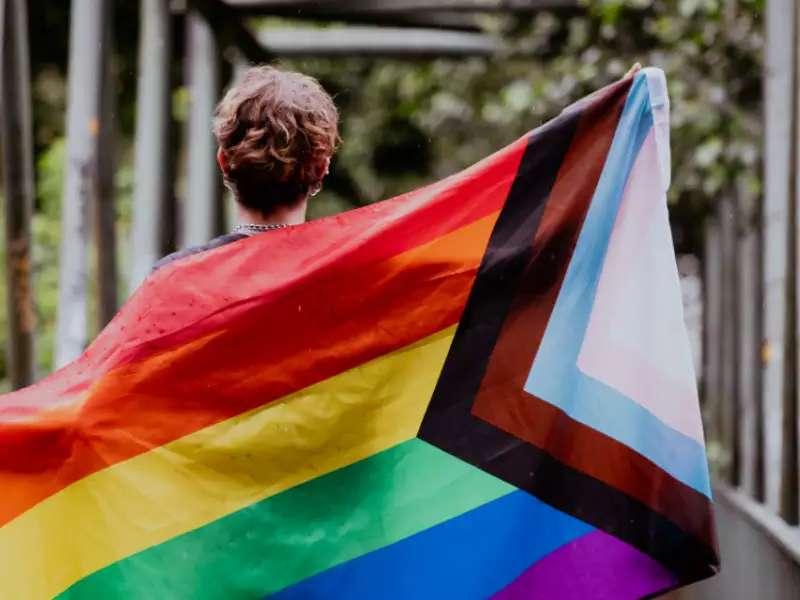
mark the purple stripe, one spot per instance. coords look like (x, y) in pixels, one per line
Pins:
(596, 566)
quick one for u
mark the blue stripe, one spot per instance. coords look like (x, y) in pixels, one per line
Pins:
(554, 376)
(470, 556)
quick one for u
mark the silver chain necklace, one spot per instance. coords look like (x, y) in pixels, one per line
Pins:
(254, 228)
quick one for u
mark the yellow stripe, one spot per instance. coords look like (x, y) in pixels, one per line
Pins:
(175, 488)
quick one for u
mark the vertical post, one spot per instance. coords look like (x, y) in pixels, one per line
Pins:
(749, 294)
(775, 223)
(18, 186)
(201, 205)
(103, 199)
(790, 475)
(729, 338)
(152, 161)
(83, 122)
(760, 485)
(712, 318)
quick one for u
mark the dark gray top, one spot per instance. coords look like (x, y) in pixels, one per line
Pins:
(215, 243)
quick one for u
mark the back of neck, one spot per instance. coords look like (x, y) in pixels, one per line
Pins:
(282, 215)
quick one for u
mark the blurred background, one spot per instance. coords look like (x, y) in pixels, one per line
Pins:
(416, 104)
(108, 164)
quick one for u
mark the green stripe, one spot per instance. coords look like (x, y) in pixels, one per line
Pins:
(303, 531)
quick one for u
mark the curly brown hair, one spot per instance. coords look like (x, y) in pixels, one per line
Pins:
(276, 130)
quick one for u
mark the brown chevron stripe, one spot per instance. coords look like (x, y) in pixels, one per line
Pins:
(606, 508)
(604, 458)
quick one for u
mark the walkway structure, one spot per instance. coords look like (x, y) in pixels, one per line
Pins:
(751, 363)
(217, 32)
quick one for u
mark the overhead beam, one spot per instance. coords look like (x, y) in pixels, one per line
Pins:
(456, 21)
(225, 16)
(397, 6)
(435, 19)
(365, 41)
(229, 31)
(460, 15)
(452, 20)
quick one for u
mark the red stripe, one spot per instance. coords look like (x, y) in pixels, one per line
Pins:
(191, 350)
(180, 301)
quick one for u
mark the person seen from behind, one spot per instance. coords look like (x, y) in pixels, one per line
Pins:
(276, 133)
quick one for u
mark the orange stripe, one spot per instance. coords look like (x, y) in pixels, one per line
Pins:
(315, 329)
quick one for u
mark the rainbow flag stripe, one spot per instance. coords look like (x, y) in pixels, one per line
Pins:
(481, 388)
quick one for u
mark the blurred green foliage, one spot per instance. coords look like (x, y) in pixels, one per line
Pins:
(452, 113)
(408, 123)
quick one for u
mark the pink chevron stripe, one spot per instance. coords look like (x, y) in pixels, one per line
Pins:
(636, 341)
(596, 566)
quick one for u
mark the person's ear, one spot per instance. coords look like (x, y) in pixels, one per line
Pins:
(222, 161)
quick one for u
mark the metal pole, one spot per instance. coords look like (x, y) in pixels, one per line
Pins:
(712, 326)
(83, 121)
(748, 249)
(152, 161)
(775, 222)
(18, 187)
(203, 189)
(104, 210)
(729, 334)
(790, 478)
